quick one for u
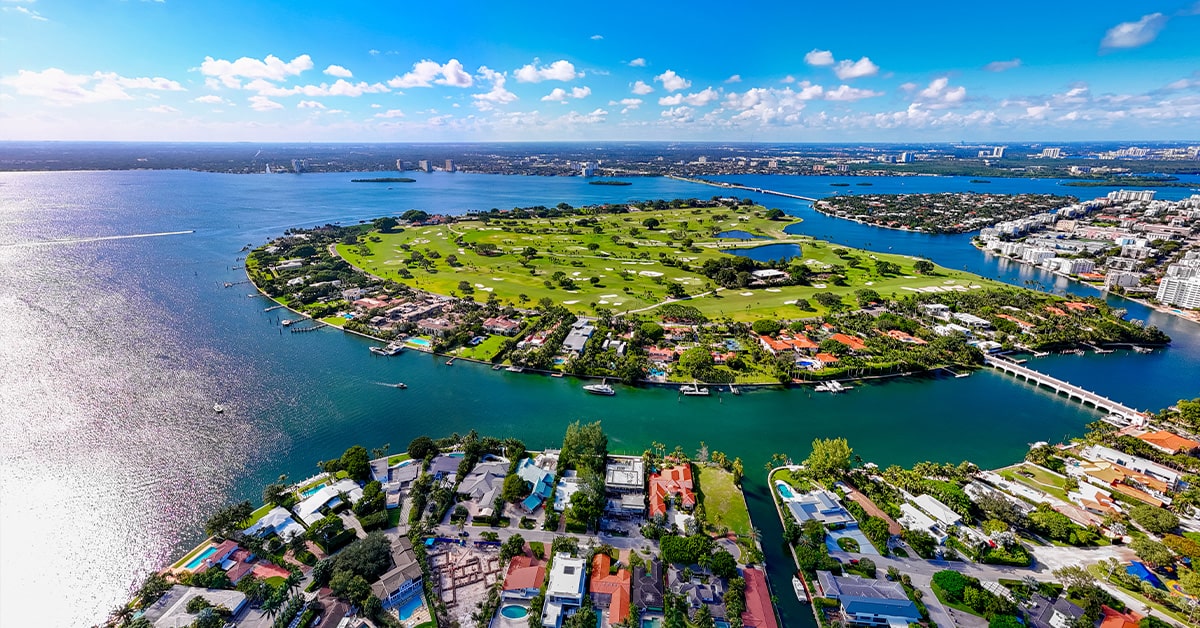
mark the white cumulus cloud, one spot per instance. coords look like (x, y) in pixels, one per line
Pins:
(939, 94)
(638, 63)
(845, 93)
(426, 73)
(561, 70)
(338, 71)
(62, 88)
(641, 88)
(1002, 66)
(309, 104)
(627, 104)
(698, 99)
(736, 78)
(561, 95)
(1134, 34)
(390, 113)
(161, 109)
(498, 95)
(672, 82)
(270, 68)
(210, 99)
(846, 69)
(597, 37)
(262, 103)
(819, 58)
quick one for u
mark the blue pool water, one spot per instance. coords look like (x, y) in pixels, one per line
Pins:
(195, 562)
(408, 608)
(785, 490)
(309, 491)
(420, 342)
(512, 611)
(652, 622)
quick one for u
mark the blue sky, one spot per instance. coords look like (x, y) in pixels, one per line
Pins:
(218, 70)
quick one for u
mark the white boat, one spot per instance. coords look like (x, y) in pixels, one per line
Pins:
(515, 369)
(733, 389)
(1040, 354)
(798, 587)
(401, 385)
(285, 322)
(694, 390)
(388, 350)
(378, 350)
(1143, 349)
(831, 387)
(218, 408)
(600, 389)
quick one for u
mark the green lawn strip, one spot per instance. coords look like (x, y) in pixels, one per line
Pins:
(397, 459)
(275, 581)
(627, 278)
(336, 321)
(394, 517)
(257, 514)
(322, 479)
(959, 606)
(785, 475)
(724, 504)
(1052, 489)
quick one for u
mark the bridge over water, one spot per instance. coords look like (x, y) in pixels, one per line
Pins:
(1073, 392)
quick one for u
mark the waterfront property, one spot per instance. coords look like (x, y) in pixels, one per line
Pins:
(277, 521)
(820, 505)
(524, 578)
(610, 591)
(675, 481)
(760, 610)
(541, 483)
(171, 609)
(403, 581)
(327, 496)
(868, 602)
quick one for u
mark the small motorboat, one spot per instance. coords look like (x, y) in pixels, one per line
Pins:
(401, 385)
(218, 408)
(600, 389)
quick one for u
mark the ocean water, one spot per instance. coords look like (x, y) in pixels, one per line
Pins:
(115, 350)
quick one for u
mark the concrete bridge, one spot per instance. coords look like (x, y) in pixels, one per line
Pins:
(1073, 392)
(738, 186)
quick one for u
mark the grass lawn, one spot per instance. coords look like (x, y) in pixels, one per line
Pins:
(802, 485)
(257, 514)
(394, 517)
(336, 321)
(627, 273)
(276, 581)
(958, 606)
(484, 350)
(397, 459)
(724, 503)
(1042, 480)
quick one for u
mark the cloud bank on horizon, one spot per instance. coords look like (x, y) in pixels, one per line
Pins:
(333, 72)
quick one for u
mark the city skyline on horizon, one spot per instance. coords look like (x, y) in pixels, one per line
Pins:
(312, 73)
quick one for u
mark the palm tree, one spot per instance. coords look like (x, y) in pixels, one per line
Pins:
(293, 580)
(120, 615)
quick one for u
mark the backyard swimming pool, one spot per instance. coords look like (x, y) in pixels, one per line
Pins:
(784, 490)
(420, 342)
(512, 611)
(312, 489)
(408, 608)
(195, 562)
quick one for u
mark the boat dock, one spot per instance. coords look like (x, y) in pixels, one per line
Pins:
(300, 330)
(273, 308)
(1085, 397)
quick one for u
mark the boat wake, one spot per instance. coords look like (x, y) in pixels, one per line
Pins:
(96, 239)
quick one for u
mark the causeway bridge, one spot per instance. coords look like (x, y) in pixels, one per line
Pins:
(738, 186)
(1073, 392)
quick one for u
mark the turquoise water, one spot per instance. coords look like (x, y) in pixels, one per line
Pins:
(309, 491)
(420, 342)
(785, 491)
(739, 234)
(512, 611)
(769, 252)
(407, 609)
(653, 622)
(126, 344)
(199, 559)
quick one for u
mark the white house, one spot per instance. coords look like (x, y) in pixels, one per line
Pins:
(564, 590)
(938, 510)
(309, 510)
(277, 521)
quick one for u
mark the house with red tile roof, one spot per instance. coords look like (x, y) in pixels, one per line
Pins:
(610, 590)
(671, 482)
(759, 613)
(905, 337)
(855, 344)
(1055, 310)
(1115, 619)
(825, 359)
(656, 354)
(524, 578)
(1169, 442)
(1079, 306)
(786, 343)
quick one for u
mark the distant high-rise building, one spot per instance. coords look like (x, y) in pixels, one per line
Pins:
(998, 152)
(702, 160)
(587, 170)
(904, 157)
(400, 164)
(297, 166)
(450, 167)
(1131, 195)
(425, 165)
(1180, 292)
(1051, 153)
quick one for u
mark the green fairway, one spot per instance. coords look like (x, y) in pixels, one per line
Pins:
(724, 505)
(616, 261)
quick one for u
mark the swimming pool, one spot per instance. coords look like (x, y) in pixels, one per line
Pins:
(420, 342)
(652, 622)
(785, 490)
(312, 489)
(407, 609)
(512, 611)
(198, 560)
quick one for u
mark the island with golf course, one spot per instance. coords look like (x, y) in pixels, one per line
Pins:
(683, 292)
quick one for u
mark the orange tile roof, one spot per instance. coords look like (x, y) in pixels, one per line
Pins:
(1114, 619)
(905, 337)
(850, 341)
(1137, 494)
(1016, 320)
(676, 480)
(1167, 441)
(759, 613)
(827, 358)
(1079, 306)
(614, 584)
(524, 572)
(1055, 310)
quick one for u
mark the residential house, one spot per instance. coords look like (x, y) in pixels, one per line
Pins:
(568, 485)
(1169, 443)
(484, 484)
(701, 590)
(541, 481)
(625, 486)
(564, 590)
(328, 496)
(936, 310)
(786, 343)
(647, 585)
(913, 519)
(609, 591)
(400, 583)
(501, 325)
(904, 337)
(770, 275)
(444, 467)
(577, 338)
(760, 612)
(970, 320)
(820, 505)
(855, 344)
(1140, 465)
(437, 327)
(524, 578)
(277, 521)
(939, 511)
(867, 602)
(1115, 619)
(671, 482)
(171, 609)
(659, 355)
(1057, 613)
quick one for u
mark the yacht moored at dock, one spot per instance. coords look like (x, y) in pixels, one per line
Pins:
(832, 387)
(600, 389)
(388, 350)
(694, 390)
(798, 587)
